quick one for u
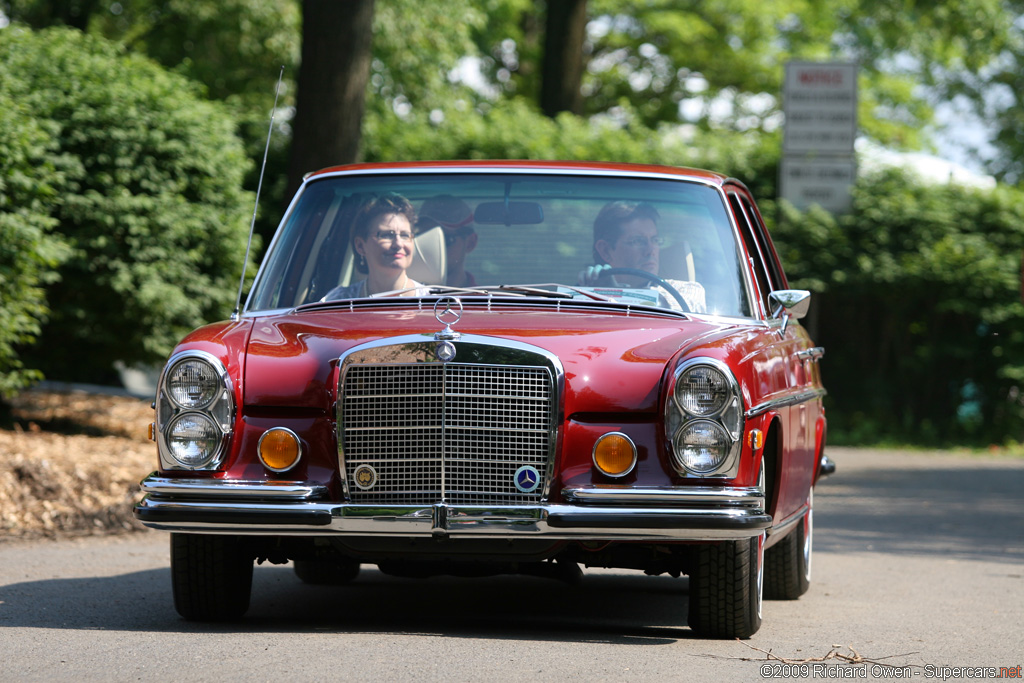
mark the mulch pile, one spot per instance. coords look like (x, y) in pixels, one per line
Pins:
(70, 464)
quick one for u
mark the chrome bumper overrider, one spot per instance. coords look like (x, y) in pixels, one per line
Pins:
(590, 512)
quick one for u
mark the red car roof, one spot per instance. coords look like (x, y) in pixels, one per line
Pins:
(525, 164)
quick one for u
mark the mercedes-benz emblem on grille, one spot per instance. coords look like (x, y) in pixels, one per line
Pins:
(445, 351)
(365, 477)
(527, 479)
(447, 311)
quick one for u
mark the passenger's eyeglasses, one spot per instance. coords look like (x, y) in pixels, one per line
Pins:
(639, 241)
(389, 236)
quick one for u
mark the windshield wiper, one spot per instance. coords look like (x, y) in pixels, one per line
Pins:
(535, 290)
(510, 290)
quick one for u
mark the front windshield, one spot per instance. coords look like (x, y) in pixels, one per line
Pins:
(644, 241)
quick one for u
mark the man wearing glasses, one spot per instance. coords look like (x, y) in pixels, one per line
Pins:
(626, 236)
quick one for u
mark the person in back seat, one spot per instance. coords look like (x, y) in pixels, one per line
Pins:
(456, 218)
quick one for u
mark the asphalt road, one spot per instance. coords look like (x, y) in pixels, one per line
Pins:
(919, 565)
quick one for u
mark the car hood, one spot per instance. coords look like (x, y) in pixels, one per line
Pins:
(612, 362)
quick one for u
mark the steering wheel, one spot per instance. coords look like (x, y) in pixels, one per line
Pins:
(651, 277)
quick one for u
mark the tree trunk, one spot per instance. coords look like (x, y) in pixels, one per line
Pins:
(329, 103)
(562, 70)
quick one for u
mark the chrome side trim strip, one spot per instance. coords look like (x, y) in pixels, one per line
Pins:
(784, 526)
(231, 490)
(790, 400)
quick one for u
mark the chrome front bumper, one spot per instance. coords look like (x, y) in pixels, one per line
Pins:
(590, 512)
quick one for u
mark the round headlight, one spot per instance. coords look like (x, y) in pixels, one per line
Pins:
(194, 384)
(193, 439)
(702, 390)
(701, 446)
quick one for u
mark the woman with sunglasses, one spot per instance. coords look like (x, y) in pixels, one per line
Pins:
(382, 239)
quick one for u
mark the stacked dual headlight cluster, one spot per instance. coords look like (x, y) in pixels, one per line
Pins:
(704, 419)
(195, 409)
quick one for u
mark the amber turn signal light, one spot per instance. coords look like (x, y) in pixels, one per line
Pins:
(615, 454)
(279, 449)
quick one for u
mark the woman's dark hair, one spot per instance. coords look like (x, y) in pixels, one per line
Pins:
(611, 218)
(371, 211)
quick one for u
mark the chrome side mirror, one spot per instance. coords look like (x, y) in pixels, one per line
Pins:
(789, 303)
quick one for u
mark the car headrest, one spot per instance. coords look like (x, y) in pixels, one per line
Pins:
(677, 262)
(430, 258)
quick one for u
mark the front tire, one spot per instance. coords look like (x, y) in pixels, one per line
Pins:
(787, 564)
(211, 576)
(725, 588)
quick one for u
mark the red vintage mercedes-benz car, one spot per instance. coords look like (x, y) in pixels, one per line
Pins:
(469, 367)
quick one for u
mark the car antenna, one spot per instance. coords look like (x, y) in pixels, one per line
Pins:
(235, 315)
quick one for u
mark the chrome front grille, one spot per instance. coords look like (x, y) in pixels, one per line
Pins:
(456, 433)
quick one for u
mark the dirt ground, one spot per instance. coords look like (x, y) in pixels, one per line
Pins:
(71, 462)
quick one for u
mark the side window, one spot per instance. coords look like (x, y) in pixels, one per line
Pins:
(764, 286)
(775, 276)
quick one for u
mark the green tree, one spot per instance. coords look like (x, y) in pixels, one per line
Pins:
(719, 65)
(30, 180)
(151, 204)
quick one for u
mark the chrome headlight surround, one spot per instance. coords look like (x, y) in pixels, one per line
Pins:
(195, 411)
(704, 419)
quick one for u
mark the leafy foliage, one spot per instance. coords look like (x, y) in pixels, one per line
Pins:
(514, 129)
(30, 179)
(919, 303)
(150, 204)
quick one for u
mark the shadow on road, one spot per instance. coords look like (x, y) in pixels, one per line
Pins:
(604, 608)
(932, 506)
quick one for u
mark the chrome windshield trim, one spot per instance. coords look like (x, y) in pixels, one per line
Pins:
(231, 489)
(715, 182)
(790, 400)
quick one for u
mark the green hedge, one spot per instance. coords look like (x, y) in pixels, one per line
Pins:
(151, 202)
(919, 309)
(30, 181)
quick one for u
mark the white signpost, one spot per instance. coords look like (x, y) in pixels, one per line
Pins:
(820, 104)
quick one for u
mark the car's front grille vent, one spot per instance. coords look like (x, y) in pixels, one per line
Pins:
(456, 433)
